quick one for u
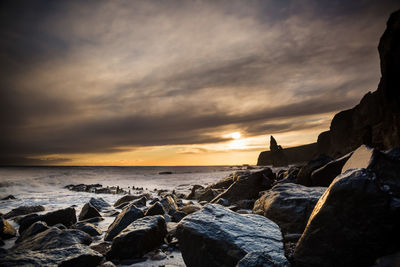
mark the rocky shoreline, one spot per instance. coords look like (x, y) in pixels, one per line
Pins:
(335, 210)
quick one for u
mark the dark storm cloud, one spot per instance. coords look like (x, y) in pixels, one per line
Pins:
(102, 77)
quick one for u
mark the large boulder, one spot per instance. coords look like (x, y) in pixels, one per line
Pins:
(88, 211)
(128, 215)
(99, 203)
(23, 210)
(6, 229)
(353, 223)
(140, 237)
(289, 205)
(247, 186)
(155, 209)
(169, 204)
(64, 216)
(304, 175)
(325, 175)
(216, 236)
(89, 228)
(32, 230)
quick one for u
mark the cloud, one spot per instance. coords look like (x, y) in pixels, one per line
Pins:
(100, 76)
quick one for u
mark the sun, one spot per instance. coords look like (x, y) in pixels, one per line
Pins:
(236, 135)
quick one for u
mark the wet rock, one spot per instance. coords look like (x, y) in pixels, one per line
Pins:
(262, 259)
(111, 213)
(60, 226)
(126, 217)
(216, 236)
(107, 264)
(8, 197)
(129, 198)
(365, 226)
(289, 176)
(304, 175)
(155, 209)
(23, 210)
(88, 211)
(141, 202)
(247, 186)
(6, 229)
(223, 202)
(177, 215)
(225, 182)
(169, 204)
(208, 194)
(195, 192)
(34, 229)
(92, 220)
(103, 247)
(99, 203)
(65, 216)
(89, 228)
(190, 208)
(289, 205)
(74, 255)
(140, 237)
(325, 175)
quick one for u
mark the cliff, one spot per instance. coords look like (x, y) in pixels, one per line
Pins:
(293, 154)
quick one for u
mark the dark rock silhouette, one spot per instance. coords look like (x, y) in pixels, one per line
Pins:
(279, 157)
(375, 121)
(297, 154)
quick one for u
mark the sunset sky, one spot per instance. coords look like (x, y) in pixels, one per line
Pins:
(178, 82)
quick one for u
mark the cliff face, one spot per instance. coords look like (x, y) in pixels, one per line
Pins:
(375, 121)
(293, 155)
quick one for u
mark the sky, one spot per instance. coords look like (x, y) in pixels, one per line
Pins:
(178, 82)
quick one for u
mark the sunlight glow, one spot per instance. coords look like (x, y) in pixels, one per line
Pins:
(236, 135)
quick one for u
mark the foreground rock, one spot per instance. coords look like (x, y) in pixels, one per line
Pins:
(353, 223)
(34, 229)
(88, 211)
(247, 186)
(140, 237)
(99, 203)
(53, 247)
(128, 198)
(304, 175)
(289, 205)
(216, 236)
(6, 229)
(23, 210)
(126, 217)
(66, 217)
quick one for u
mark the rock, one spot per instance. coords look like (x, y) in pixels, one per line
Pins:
(262, 259)
(60, 226)
(279, 157)
(289, 205)
(289, 176)
(129, 198)
(88, 211)
(325, 175)
(6, 229)
(247, 186)
(392, 260)
(225, 182)
(103, 247)
(365, 226)
(53, 238)
(208, 194)
(223, 202)
(140, 237)
(245, 204)
(92, 220)
(155, 209)
(89, 228)
(195, 192)
(126, 217)
(161, 173)
(34, 229)
(216, 236)
(8, 197)
(297, 154)
(169, 204)
(107, 264)
(23, 210)
(190, 208)
(65, 216)
(141, 202)
(111, 213)
(99, 203)
(304, 175)
(177, 215)
(122, 205)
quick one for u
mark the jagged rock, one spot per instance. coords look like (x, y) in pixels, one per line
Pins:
(353, 223)
(126, 217)
(177, 215)
(279, 157)
(140, 237)
(89, 228)
(247, 186)
(289, 176)
(289, 205)
(92, 220)
(8, 197)
(195, 192)
(297, 154)
(99, 203)
(304, 175)
(88, 211)
(34, 229)
(6, 229)
(216, 236)
(226, 182)
(190, 208)
(60, 226)
(129, 198)
(325, 175)
(262, 259)
(169, 204)
(23, 210)
(65, 216)
(208, 195)
(103, 247)
(141, 202)
(155, 209)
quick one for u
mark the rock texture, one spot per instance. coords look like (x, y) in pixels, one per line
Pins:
(126, 217)
(6, 229)
(353, 223)
(88, 211)
(140, 237)
(99, 203)
(216, 236)
(247, 186)
(23, 210)
(289, 205)
(375, 121)
(325, 175)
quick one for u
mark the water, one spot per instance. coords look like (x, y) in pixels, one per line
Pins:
(45, 185)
